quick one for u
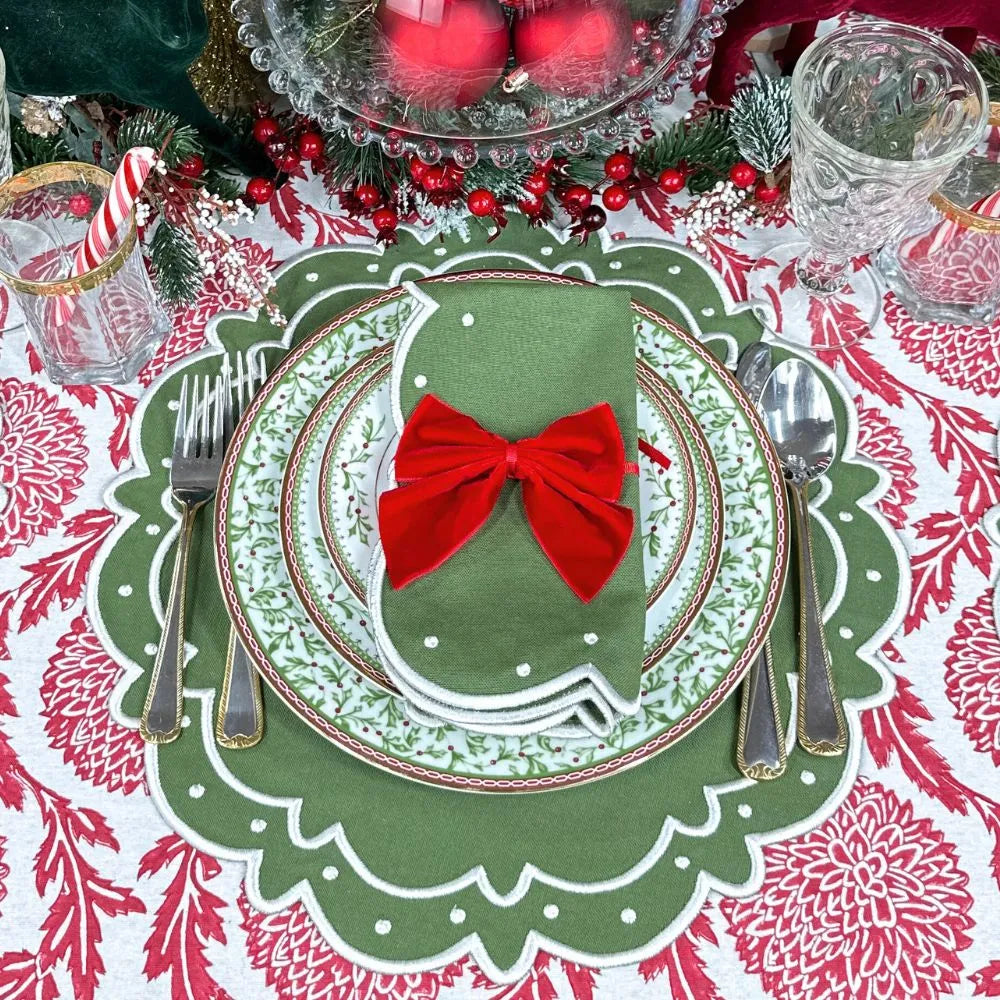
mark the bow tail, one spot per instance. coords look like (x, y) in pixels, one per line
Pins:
(583, 536)
(424, 523)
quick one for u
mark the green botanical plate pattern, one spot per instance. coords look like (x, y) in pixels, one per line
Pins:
(683, 686)
(560, 871)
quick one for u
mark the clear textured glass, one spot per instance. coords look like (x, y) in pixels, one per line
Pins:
(100, 326)
(881, 113)
(945, 264)
(473, 70)
(5, 165)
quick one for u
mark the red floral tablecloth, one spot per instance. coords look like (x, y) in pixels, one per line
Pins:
(894, 896)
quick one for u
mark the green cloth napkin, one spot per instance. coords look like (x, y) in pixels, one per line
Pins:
(517, 356)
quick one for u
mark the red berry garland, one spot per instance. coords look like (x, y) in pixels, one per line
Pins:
(537, 184)
(618, 166)
(531, 204)
(80, 204)
(767, 194)
(264, 128)
(193, 166)
(577, 199)
(260, 190)
(482, 203)
(368, 195)
(310, 145)
(385, 218)
(743, 175)
(615, 197)
(671, 181)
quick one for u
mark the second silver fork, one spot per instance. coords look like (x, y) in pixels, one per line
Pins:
(239, 720)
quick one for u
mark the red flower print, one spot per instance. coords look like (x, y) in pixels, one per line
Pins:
(882, 442)
(962, 356)
(76, 687)
(42, 462)
(870, 906)
(299, 963)
(972, 675)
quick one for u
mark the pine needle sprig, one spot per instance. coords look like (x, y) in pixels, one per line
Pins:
(987, 61)
(160, 130)
(704, 146)
(761, 122)
(29, 150)
(349, 165)
(174, 257)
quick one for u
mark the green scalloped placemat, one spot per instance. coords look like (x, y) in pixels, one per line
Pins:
(400, 876)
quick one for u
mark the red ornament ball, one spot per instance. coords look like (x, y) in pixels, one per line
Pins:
(641, 31)
(671, 181)
(578, 198)
(615, 198)
(264, 128)
(443, 55)
(192, 166)
(537, 183)
(594, 219)
(260, 190)
(385, 218)
(743, 175)
(618, 166)
(368, 195)
(311, 145)
(482, 202)
(635, 66)
(767, 194)
(573, 48)
(80, 204)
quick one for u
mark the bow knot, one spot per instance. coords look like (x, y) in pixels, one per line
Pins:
(451, 472)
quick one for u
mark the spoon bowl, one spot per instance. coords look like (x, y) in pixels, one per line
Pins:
(798, 414)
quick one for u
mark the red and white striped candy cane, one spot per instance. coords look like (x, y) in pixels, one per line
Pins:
(114, 210)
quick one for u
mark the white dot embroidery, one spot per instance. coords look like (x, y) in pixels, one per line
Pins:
(457, 915)
(441, 251)
(846, 516)
(615, 265)
(874, 575)
(196, 791)
(522, 669)
(431, 641)
(173, 404)
(420, 381)
(682, 862)
(744, 810)
(185, 721)
(590, 638)
(152, 529)
(846, 633)
(546, 251)
(808, 778)
(150, 649)
(330, 872)
(312, 276)
(125, 590)
(373, 268)
(166, 462)
(551, 911)
(258, 825)
(468, 319)
(673, 269)
(383, 926)
(708, 311)
(628, 915)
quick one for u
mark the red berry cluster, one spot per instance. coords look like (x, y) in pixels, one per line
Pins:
(286, 147)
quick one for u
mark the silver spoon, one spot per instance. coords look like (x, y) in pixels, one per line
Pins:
(798, 414)
(760, 742)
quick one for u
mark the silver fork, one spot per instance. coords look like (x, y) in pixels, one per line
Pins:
(194, 476)
(239, 721)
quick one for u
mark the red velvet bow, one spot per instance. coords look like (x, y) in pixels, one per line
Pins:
(452, 471)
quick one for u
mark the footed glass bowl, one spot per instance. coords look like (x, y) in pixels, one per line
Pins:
(465, 78)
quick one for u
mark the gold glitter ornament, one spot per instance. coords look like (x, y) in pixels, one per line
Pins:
(222, 74)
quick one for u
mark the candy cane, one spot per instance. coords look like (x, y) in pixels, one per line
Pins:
(114, 210)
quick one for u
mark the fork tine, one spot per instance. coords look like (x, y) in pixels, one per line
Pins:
(191, 435)
(241, 388)
(180, 431)
(261, 371)
(203, 418)
(221, 406)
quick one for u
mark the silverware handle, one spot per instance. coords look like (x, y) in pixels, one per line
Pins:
(821, 729)
(239, 722)
(161, 715)
(760, 744)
